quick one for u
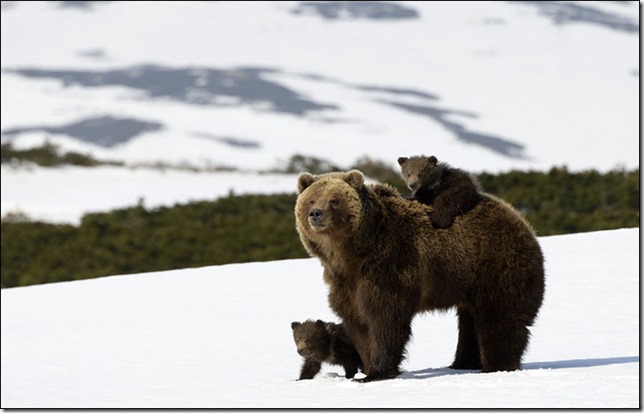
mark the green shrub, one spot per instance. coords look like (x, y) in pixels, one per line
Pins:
(232, 229)
(381, 172)
(49, 155)
(302, 163)
(262, 227)
(561, 202)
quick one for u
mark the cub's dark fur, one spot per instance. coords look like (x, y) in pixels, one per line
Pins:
(319, 342)
(450, 191)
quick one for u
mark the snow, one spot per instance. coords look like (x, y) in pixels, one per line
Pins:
(64, 195)
(220, 337)
(486, 86)
(554, 88)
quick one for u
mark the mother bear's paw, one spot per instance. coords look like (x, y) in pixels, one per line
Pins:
(377, 376)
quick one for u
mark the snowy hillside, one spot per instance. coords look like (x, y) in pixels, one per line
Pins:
(487, 86)
(492, 85)
(220, 337)
(64, 195)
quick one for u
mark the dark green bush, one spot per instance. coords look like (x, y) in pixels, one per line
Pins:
(561, 202)
(232, 229)
(48, 155)
(381, 172)
(302, 163)
(262, 227)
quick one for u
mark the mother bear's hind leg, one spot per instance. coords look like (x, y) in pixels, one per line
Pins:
(468, 356)
(502, 340)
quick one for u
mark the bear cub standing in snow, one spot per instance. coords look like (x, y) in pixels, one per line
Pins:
(450, 191)
(319, 342)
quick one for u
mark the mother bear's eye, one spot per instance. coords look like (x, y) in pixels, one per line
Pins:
(334, 202)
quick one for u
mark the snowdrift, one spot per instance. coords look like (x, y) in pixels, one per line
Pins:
(220, 337)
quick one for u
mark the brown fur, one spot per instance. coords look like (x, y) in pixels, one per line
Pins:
(319, 342)
(384, 262)
(451, 191)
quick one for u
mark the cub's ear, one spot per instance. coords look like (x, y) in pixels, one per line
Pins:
(355, 178)
(432, 159)
(304, 181)
(402, 160)
(319, 323)
(295, 324)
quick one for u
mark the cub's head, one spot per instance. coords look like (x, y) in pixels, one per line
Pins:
(312, 339)
(420, 171)
(328, 204)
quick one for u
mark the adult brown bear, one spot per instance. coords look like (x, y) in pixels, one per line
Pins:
(384, 262)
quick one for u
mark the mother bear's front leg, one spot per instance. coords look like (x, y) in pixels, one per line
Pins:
(358, 333)
(342, 301)
(388, 313)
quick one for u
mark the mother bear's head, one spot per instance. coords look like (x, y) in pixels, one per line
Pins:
(329, 205)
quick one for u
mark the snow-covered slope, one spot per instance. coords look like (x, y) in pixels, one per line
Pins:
(220, 337)
(64, 195)
(486, 85)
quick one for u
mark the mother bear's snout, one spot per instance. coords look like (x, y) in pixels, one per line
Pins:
(315, 214)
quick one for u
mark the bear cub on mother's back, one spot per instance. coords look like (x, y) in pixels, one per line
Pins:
(450, 191)
(319, 342)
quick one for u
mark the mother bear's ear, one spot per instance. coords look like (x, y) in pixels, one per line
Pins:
(304, 181)
(355, 178)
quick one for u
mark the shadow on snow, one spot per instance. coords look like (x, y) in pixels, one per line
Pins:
(547, 365)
